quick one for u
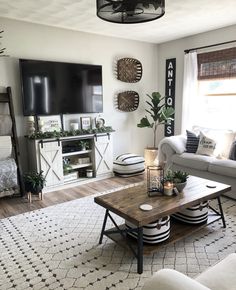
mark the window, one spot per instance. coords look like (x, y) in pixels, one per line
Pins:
(217, 88)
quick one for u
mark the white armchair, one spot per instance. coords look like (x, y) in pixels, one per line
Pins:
(221, 276)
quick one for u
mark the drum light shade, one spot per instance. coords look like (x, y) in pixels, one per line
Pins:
(130, 11)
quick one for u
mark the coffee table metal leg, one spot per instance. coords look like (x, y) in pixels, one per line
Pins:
(221, 212)
(140, 250)
(103, 226)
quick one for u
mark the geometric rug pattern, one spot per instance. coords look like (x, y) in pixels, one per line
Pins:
(57, 248)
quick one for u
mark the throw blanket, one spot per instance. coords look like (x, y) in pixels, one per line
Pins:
(8, 176)
(177, 143)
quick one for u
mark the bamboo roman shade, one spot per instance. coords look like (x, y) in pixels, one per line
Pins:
(217, 64)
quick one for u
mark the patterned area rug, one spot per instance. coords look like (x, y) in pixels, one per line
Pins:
(57, 248)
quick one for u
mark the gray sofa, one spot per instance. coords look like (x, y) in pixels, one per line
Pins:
(172, 150)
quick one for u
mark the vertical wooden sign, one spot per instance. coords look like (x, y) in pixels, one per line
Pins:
(170, 93)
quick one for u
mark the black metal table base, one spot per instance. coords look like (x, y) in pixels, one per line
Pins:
(220, 212)
(138, 253)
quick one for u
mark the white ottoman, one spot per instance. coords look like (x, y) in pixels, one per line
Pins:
(128, 164)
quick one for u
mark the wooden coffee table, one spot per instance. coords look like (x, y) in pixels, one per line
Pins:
(125, 203)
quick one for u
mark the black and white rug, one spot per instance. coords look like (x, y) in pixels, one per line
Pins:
(57, 248)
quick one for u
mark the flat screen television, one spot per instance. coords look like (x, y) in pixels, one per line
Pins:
(51, 88)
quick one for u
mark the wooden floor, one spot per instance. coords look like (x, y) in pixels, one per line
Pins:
(11, 206)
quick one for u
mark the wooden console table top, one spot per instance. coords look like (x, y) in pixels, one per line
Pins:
(126, 202)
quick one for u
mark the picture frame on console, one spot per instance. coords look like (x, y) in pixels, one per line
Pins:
(49, 123)
(85, 123)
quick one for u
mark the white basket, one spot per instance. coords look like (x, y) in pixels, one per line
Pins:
(70, 176)
(193, 215)
(153, 233)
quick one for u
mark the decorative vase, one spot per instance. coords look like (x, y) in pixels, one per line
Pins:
(180, 186)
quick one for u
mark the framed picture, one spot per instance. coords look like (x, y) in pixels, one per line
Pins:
(49, 123)
(85, 123)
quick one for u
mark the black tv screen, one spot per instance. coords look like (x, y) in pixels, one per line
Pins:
(51, 88)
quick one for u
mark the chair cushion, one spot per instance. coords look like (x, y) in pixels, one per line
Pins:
(223, 167)
(221, 276)
(128, 164)
(192, 160)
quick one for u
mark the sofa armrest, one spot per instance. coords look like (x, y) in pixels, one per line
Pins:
(170, 146)
(167, 279)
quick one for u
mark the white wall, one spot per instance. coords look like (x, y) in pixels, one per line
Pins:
(32, 41)
(175, 49)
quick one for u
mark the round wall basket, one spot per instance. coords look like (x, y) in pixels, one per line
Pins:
(129, 70)
(127, 101)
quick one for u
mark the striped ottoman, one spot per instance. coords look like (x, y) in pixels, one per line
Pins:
(128, 164)
(193, 215)
(153, 233)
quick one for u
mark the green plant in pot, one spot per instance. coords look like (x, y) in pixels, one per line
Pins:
(34, 181)
(179, 178)
(159, 114)
(84, 144)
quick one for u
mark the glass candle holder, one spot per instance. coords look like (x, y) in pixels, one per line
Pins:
(168, 188)
(155, 176)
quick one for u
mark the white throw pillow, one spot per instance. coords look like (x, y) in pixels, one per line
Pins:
(223, 138)
(206, 145)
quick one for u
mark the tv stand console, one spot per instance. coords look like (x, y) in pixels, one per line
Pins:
(67, 161)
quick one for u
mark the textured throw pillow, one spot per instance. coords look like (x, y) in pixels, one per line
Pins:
(192, 142)
(232, 153)
(206, 145)
(223, 137)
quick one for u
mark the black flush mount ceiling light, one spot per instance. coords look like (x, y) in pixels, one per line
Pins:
(130, 11)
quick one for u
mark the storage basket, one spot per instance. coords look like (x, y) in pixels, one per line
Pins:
(153, 233)
(193, 215)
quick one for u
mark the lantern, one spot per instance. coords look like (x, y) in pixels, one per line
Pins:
(155, 180)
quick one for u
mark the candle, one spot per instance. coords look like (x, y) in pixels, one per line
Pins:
(31, 118)
(168, 188)
(41, 123)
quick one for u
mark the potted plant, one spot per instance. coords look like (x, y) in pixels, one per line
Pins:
(84, 144)
(179, 178)
(160, 115)
(34, 182)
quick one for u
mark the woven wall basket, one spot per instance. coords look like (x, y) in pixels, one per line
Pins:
(127, 101)
(153, 233)
(129, 70)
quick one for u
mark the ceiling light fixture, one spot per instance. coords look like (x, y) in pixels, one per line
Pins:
(130, 11)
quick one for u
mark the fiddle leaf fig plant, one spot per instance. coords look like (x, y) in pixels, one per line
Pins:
(159, 113)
